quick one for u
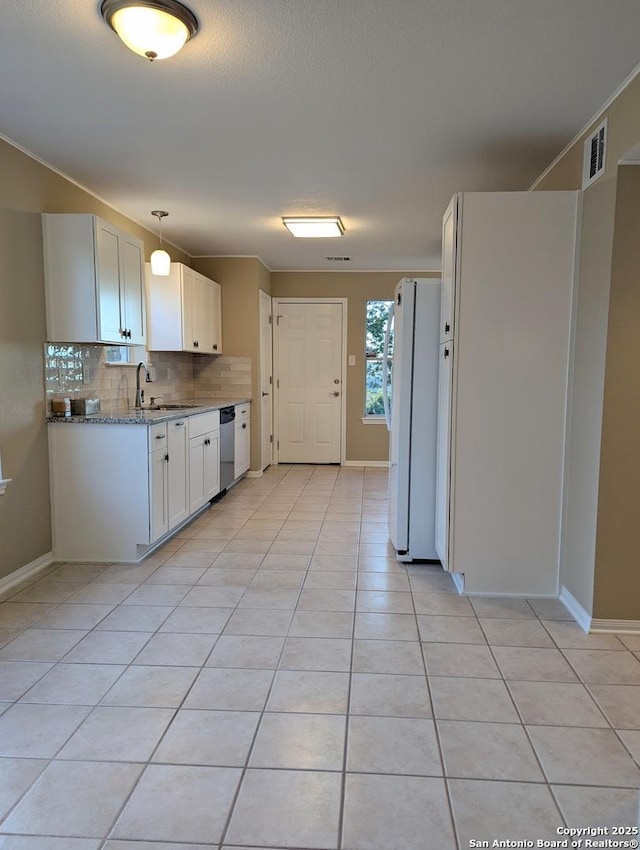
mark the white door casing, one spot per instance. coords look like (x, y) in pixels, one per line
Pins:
(310, 356)
(266, 381)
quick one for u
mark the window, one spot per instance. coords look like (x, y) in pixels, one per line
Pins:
(377, 315)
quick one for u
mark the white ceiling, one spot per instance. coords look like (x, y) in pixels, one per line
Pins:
(377, 110)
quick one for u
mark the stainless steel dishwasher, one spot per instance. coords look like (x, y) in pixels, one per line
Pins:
(227, 446)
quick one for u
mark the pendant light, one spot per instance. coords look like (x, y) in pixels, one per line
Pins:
(160, 260)
(152, 28)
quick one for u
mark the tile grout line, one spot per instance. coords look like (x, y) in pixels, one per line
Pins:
(232, 808)
(529, 739)
(347, 720)
(149, 761)
(445, 778)
(261, 502)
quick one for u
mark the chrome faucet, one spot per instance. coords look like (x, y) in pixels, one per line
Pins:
(140, 393)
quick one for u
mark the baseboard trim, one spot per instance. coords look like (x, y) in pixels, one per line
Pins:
(629, 627)
(381, 464)
(579, 614)
(22, 573)
(257, 473)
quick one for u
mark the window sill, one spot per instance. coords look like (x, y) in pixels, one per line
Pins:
(373, 420)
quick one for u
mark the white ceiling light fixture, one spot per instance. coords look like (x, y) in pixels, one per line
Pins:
(160, 260)
(155, 29)
(314, 227)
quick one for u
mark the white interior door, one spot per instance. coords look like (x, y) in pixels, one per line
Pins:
(310, 374)
(266, 382)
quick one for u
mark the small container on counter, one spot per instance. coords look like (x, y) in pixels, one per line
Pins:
(61, 407)
(85, 406)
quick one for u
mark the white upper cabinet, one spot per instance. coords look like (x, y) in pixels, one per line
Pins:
(184, 311)
(213, 314)
(94, 281)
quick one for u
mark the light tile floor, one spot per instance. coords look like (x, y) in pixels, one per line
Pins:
(274, 678)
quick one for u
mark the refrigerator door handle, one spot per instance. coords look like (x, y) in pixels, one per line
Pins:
(385, 368)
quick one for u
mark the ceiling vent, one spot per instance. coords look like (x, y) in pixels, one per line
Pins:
(338, 259)
(594, 159)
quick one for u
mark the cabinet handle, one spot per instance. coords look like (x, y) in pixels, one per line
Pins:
(447, 327)
(207, 442)
(446, 352)
(196, 343)
(166, 457)
(179, 424)
(161, 437)
(215, 346)
(244, 424)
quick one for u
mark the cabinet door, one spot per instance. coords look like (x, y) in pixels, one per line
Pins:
(158, 495)
(132, 289)
(241, 456)
(449, 247)
(216, 317)
(197, 472)
(188, 331)
(443, 460)
(199, 321)
(178, 472)
(212, 465)
(110, 320)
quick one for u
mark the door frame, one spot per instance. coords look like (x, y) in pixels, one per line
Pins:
(276, 302)
(263, 297)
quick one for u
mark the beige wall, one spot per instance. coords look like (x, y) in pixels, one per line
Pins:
(602, 430)
(364, 442)
(241, 279)
(26, 186)
(617, 576)
(25, 527)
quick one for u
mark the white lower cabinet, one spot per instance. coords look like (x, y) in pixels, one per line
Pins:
(158, 494)
(117, 489)
(242, 441)
(168, 477)
(178, 477)
(204, 459)
(158, 482)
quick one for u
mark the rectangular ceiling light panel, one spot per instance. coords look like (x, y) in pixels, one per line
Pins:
(313, 227)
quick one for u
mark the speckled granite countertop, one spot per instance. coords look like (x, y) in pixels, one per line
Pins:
(146, 416)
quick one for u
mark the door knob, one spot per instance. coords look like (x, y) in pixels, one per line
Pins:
(336, 393)
(336, 380)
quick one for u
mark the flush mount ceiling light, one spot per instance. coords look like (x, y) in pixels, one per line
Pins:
(314, 227)
(152, 28)
(160, 260)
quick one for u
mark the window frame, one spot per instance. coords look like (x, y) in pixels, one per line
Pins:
(373, 418)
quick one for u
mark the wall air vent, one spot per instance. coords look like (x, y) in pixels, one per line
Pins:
(338, 259)
(594, 159)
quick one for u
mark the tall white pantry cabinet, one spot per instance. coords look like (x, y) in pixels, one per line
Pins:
(508, 279)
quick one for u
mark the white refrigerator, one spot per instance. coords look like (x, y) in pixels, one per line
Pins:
(411, 402)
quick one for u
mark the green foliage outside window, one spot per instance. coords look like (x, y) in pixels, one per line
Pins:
(377, 316)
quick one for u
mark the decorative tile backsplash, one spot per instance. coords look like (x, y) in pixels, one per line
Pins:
(82, 371)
